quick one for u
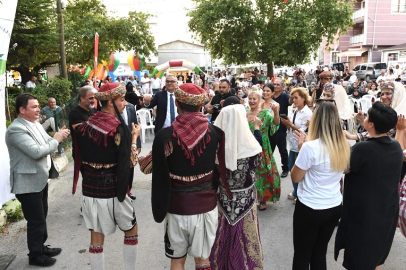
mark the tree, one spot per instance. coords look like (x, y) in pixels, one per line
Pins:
(268, 31)
(36, 32)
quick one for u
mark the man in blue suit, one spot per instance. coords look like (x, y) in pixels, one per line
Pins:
(165, 103)
(130, 118)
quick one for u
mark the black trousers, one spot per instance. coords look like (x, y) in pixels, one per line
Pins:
(130, 184)
(35, 209)
(279, 139)
(312, 230)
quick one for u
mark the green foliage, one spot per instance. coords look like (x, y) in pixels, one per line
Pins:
(76, 79)
(268, 31)
(60, 89)
(37, 35)
(14, 215)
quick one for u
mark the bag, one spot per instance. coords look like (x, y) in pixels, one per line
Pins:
(146, 163)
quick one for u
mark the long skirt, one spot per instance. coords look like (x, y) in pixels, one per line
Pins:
(237, 247)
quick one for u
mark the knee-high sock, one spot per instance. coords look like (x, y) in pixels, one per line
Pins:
(203, 266)
(130, 252)
(96, 256)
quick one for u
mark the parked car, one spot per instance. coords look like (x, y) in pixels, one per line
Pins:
(369, 71)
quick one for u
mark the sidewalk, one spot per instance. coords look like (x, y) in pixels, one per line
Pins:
(66, 229)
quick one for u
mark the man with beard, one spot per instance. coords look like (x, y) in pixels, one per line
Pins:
(82, 112)
(215, 105)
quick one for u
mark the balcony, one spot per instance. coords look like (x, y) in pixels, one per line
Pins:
(358, 14)
(357, 39)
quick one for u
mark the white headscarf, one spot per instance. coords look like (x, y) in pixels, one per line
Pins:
(342, 102)
(399, 98)
(239, 140)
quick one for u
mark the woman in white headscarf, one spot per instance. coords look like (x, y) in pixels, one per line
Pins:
(392, 94)
(237, 244)
(337, 93)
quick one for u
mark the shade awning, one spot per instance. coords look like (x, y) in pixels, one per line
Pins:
(352, 53)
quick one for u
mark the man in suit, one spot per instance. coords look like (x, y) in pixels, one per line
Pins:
(130, 118)
(29, 147)
(165, 102)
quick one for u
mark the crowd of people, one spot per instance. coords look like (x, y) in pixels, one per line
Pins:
(213, 166)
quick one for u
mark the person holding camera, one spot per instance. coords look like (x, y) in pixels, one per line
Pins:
(215, 105)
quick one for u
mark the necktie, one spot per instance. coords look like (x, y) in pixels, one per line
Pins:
(294, 117)
(172, 109)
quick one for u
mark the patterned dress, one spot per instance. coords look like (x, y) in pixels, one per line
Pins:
(268, 184)
(237, 244)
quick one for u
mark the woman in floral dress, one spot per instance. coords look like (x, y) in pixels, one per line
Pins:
(268, 184)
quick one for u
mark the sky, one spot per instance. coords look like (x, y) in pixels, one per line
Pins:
(170, 15)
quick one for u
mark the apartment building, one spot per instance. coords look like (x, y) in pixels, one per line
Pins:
(378, 25)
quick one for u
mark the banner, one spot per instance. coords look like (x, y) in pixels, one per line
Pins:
(7, 14)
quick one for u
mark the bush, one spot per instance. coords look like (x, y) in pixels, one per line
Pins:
(60, 89)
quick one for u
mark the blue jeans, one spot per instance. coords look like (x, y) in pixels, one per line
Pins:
(292, 158)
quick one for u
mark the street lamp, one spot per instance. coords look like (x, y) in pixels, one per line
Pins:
(60, 4)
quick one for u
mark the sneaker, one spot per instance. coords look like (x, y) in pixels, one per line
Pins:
(132, 197)
(291, 196)
(42, 260)
(284, 174)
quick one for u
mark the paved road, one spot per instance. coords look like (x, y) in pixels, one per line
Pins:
(67, 230)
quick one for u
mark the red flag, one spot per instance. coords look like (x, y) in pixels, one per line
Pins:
(96, 54)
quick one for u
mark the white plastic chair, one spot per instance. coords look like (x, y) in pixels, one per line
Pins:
(372, 98)
(145, 119)
(365, 104)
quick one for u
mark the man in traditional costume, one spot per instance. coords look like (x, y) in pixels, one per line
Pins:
(105, 151)
(183, 192)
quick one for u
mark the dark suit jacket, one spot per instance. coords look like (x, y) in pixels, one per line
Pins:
(132, 118)
(161, 101)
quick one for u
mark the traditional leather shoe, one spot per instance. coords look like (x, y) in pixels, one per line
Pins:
(284, 174)
(132, 197)
(42, 260)
(51, 252)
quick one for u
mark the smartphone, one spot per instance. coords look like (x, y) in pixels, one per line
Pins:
(283, 116)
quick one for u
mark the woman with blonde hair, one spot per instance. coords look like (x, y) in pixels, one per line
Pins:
(299, 121)
(268, 184)
(318, 170)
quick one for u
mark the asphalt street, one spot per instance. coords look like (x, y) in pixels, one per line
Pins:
(67, 230)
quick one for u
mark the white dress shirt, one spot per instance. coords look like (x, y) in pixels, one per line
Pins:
(301, 117)
(30, 84)
(168, 110)
(36, 128)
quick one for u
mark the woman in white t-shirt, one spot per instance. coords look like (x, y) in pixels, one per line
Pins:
(318, 170)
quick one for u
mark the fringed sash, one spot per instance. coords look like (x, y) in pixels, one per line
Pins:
(100, 126)
(192, 131)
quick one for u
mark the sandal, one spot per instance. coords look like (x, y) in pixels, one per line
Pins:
(262, 206)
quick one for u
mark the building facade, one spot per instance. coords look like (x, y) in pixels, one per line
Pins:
(378, 25)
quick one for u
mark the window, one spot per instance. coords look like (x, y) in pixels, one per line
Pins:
(380, 66)
(398, 6)
(356, 68)
(363, 67)
(393, 56)
(334, 57)
(370, 68)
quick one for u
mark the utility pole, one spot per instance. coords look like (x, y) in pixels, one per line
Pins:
(62, 52)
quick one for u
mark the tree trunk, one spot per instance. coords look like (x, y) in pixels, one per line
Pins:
(25, 74)
(269, 72)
